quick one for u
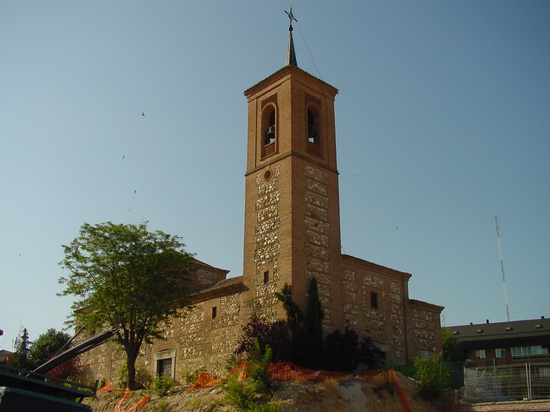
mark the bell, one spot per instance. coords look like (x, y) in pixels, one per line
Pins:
(270, 135)
(312, 132)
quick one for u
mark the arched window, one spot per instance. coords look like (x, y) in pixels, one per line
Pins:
(269, 130)
(313, 130)
(313, 125)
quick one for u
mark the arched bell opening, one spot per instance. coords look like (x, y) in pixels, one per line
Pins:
(269, 130)
(313, 130)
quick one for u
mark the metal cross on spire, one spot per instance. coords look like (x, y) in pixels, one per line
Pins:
(290, 18)
(291, 54)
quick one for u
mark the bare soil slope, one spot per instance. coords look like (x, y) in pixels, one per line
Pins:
(346, 394)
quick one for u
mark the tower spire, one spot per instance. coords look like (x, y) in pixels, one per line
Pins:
(291, 53)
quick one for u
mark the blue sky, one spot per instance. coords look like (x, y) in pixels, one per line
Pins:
(443, 122)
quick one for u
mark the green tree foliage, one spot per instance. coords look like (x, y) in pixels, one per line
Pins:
(252, 393)
(314, 326)
(369, 355)
(340, 351)
(345, 352)
(48, 345)
(296, 321)
(293, 313)
(432, 375)
(162, 384)
(22, 352)
(258, 361)
(452, 351)
(276, 335)
(127, 277)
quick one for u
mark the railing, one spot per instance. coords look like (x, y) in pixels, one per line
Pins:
(531, 356)
(504, 383)
(23, 379)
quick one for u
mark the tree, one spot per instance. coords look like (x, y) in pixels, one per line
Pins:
(22, 349)
(340, 351)
(315, 318)
(299, 339)
(451, 348)
(127, 277)
(47, 346)
(297, 325)
(345, 352)
(293, 312)
(369, 355)
(276, 335)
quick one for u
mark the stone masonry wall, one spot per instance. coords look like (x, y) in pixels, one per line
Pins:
(317, 235)
(267, 248)
(194, 341)
(226, 331)
(384, 324)
(425, 330)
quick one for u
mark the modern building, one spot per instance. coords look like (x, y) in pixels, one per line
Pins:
(505, 343)
(292, 234)
(4, 356)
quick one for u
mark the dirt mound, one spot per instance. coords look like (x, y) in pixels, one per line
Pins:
(379, 393)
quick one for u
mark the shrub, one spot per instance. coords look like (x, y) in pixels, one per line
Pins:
(162, 384)
(68, 370)
(431, 375)
(251, 393)
(299, 339)
(161, 406)
(344, 352)
(258, 362)
(341, 350)
(122, 374)
(330, 384)
(143, 378)
(240, 395)
(276, 335)
(246, 396)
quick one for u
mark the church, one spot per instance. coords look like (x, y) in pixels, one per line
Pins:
(292, 234)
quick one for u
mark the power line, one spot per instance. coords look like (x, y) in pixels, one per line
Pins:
(307, 47)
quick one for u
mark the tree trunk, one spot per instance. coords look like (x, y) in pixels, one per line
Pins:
(131, 356)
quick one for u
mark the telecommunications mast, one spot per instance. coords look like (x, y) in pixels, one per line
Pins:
(502, 270)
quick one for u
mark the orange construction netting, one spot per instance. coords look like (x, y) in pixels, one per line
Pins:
(108, 387)
(204, 380)
(286, 371)
(400, 392)
(279, 372)
(283, 371)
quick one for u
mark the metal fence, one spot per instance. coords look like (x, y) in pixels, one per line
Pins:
(504, 383)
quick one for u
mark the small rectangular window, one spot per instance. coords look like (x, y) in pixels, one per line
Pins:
(266, 276)
(480, 354)
(374, 300)
(500, 353)
(214, 312)
(164, 367)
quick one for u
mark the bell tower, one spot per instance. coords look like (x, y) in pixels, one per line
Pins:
(292, 218)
